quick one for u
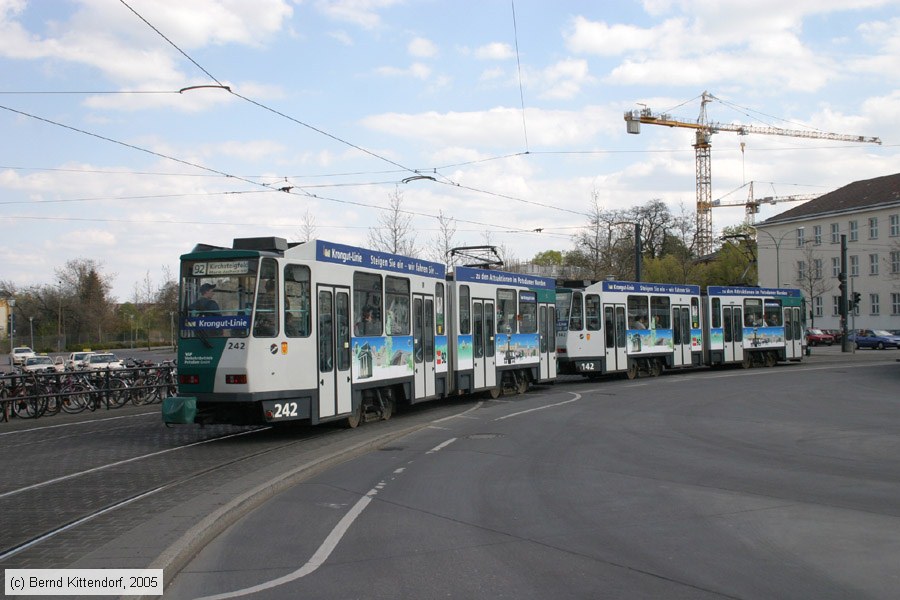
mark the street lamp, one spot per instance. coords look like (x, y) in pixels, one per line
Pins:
(31, 326)
(59, 319)
(777, 251)
(12, 325)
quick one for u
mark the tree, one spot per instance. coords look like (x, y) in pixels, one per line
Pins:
(308, 229)
(439, 249)
(809, 277)
(85, 302)
(548, 258)
(395, 233)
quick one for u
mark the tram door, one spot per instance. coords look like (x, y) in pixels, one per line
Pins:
(681, 335)
(616, 337)
(483, 346)
(733, 334)
(333, 342)
(793, 333)
(423, 345)
(547, 348)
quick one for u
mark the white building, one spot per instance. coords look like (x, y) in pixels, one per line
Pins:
(802, 248)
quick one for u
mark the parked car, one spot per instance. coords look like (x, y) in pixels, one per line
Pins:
(19, 354)
(102, 360)
(39, 364)
(817, 337)
(836, 334)
(874, 338)
(77, 360)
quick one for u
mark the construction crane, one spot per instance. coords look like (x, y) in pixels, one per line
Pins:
(702, 146)
(751, 204)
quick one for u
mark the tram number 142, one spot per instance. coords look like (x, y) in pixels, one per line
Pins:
(587, 366)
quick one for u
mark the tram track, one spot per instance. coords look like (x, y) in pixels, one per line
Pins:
(39, 512)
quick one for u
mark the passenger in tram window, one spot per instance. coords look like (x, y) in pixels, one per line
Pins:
(366, 323)
(639, 323)
(205, 305)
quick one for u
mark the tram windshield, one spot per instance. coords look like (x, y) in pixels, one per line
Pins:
(563, 306)
(217, 297)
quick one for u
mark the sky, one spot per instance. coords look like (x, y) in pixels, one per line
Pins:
(317, 112)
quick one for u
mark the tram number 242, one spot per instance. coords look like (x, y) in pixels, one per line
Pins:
(587, 366)
(284, 410)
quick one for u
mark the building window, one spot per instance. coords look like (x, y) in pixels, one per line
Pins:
(801, 236)
(836, 305)
(873, 228)
(873, 264)
(818, 306)
(876, 305)
(854, 231)
(801, 270)
(817, 268)
(895, 225)
(835, 266)
(854, 266)
(895, 262)
(817, 235)
(895, 303)
(835, 233)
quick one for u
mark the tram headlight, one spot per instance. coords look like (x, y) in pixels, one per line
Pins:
(236, 379)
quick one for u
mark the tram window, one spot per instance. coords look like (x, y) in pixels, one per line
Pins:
(659, 312)
(542, 320)
(506, 311)
(396, 299)
(695, 313)
(576, 314)
(798, 325)
(773, 313)
(637, 312)
(716, 313)
(528, 312)
(788, 329)
(489, 347)
(342, 314)
(439, 308)
(621, 332)
(297, 322)
(326, 332)
(265, 319)
(753, 313)
(465, 310)
(429, 330)
(738, 330)
(610, 327)
(229, 293)
(726, 334)
(592, 311)
(367, 304)
(563, 302)
(478, 332)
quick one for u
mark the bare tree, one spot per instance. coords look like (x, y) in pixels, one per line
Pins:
(809, 276)
(308, 229)
(594, 244)
(441, 245)
(394, 233)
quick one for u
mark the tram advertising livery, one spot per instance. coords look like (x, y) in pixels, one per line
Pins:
(319, 331)
(628, 327)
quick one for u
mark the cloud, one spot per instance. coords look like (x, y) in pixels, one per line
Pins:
(416, 70)
(589, 37)
(494, 51)
(421, 47)
(362, 13)
(498, 127)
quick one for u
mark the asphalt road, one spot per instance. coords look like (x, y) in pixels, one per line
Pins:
(765, 483)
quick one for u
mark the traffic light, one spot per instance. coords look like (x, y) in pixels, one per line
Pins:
(854, 301)
(843, 282)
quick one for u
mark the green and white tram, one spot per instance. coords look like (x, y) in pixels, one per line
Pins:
(316, 331)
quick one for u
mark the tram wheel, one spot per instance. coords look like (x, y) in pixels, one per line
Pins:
(495, 392)
(522, 384)
(656, 368)
(355, 417)
(632, 371)
(747, 362)
(771, 359)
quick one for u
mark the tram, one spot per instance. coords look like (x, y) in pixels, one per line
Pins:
(753, 326)
(628, 327)
(272, 332)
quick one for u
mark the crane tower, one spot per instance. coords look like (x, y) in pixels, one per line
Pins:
(702, 146)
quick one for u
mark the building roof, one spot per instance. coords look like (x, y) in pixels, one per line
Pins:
(860, 195)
